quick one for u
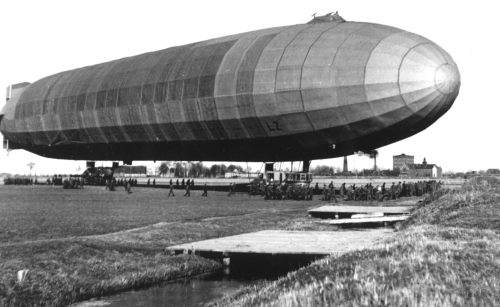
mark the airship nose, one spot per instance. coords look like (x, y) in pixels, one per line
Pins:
(429, 79)
(447, 78)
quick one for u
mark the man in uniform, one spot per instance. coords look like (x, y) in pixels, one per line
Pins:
(171, 192)
(188, 191)
(289, 192)
(311, 193)
(369, 192)
(325, 192)
(268, 193)
(332, 192)
(393, 191)
(342, 191)
(205, 191)
(128, 187)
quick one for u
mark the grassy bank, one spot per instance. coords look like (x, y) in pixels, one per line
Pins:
(447, 254)
(62, 273)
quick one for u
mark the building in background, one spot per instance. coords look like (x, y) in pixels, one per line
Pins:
(402, 162)
(424, 170)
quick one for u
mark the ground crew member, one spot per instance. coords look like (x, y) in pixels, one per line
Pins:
(171, 192)
(332, 192)
(268, 191)
(325, 192)
(311, 192)
(393, 191)
(278, 192)
(289, 192)
(205, 191)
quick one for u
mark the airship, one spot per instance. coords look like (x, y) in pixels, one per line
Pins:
(324, 89)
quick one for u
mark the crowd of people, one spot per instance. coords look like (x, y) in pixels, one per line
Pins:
(55, 180)
(73, 183)
(19, 181)
(271, 190)
(178, 184)
(278, 191)
(364, 192)
(112, 183)
(368, 192)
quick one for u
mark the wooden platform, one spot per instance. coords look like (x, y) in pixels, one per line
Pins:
(343, 211)
(277, 242)
(367, 220)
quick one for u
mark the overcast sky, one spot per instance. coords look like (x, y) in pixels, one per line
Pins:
(40, 38)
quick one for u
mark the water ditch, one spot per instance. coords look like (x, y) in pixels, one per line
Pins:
(200, 290)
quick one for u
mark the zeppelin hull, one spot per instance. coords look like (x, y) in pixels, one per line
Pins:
(298, 92)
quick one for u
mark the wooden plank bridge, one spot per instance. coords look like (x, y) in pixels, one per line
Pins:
(343, 211)
(280, 242)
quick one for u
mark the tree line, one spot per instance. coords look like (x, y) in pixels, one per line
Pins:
(325, 170)
(196, 169)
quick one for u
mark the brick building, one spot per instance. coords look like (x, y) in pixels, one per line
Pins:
(402, 162)
(425, 170)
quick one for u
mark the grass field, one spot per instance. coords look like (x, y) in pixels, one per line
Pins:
(47, 212)
(446, 254)
(77, 243)
(80, 244)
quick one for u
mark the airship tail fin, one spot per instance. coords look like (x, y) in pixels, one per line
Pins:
(13, 93)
